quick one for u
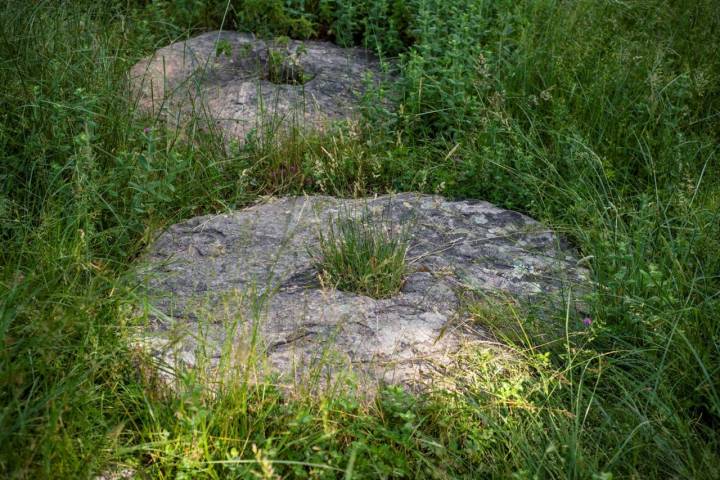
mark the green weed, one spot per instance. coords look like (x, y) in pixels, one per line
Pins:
(363, 255)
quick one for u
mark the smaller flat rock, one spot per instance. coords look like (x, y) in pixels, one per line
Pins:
(245, 283)
(226, 78)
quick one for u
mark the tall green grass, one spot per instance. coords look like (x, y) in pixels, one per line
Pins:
(600, 118)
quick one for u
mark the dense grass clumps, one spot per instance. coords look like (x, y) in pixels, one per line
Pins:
(601, 118)
(362, 255)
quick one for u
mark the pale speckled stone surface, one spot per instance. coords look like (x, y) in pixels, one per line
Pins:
(118, 474)
(191, 79)
(204, 272)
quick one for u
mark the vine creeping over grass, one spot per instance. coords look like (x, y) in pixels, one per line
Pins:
(362, 255)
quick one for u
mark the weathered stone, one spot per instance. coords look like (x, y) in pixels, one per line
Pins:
(207, 274)
(244, 84)
(118, 473)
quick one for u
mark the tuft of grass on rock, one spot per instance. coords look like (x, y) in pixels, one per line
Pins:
(363, 255)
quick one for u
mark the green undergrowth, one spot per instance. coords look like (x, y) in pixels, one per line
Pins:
(600, 118)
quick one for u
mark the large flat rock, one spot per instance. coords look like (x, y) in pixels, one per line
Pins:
(245, 282)
(224, 78)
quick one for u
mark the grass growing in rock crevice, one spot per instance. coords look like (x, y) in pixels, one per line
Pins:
(599, 118)
(363, 255)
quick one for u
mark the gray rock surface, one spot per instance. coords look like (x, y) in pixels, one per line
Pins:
(229, 79)
(205, 277)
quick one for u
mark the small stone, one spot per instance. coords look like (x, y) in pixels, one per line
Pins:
(117, 474)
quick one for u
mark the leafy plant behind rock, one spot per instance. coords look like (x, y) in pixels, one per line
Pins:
(363, 255)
